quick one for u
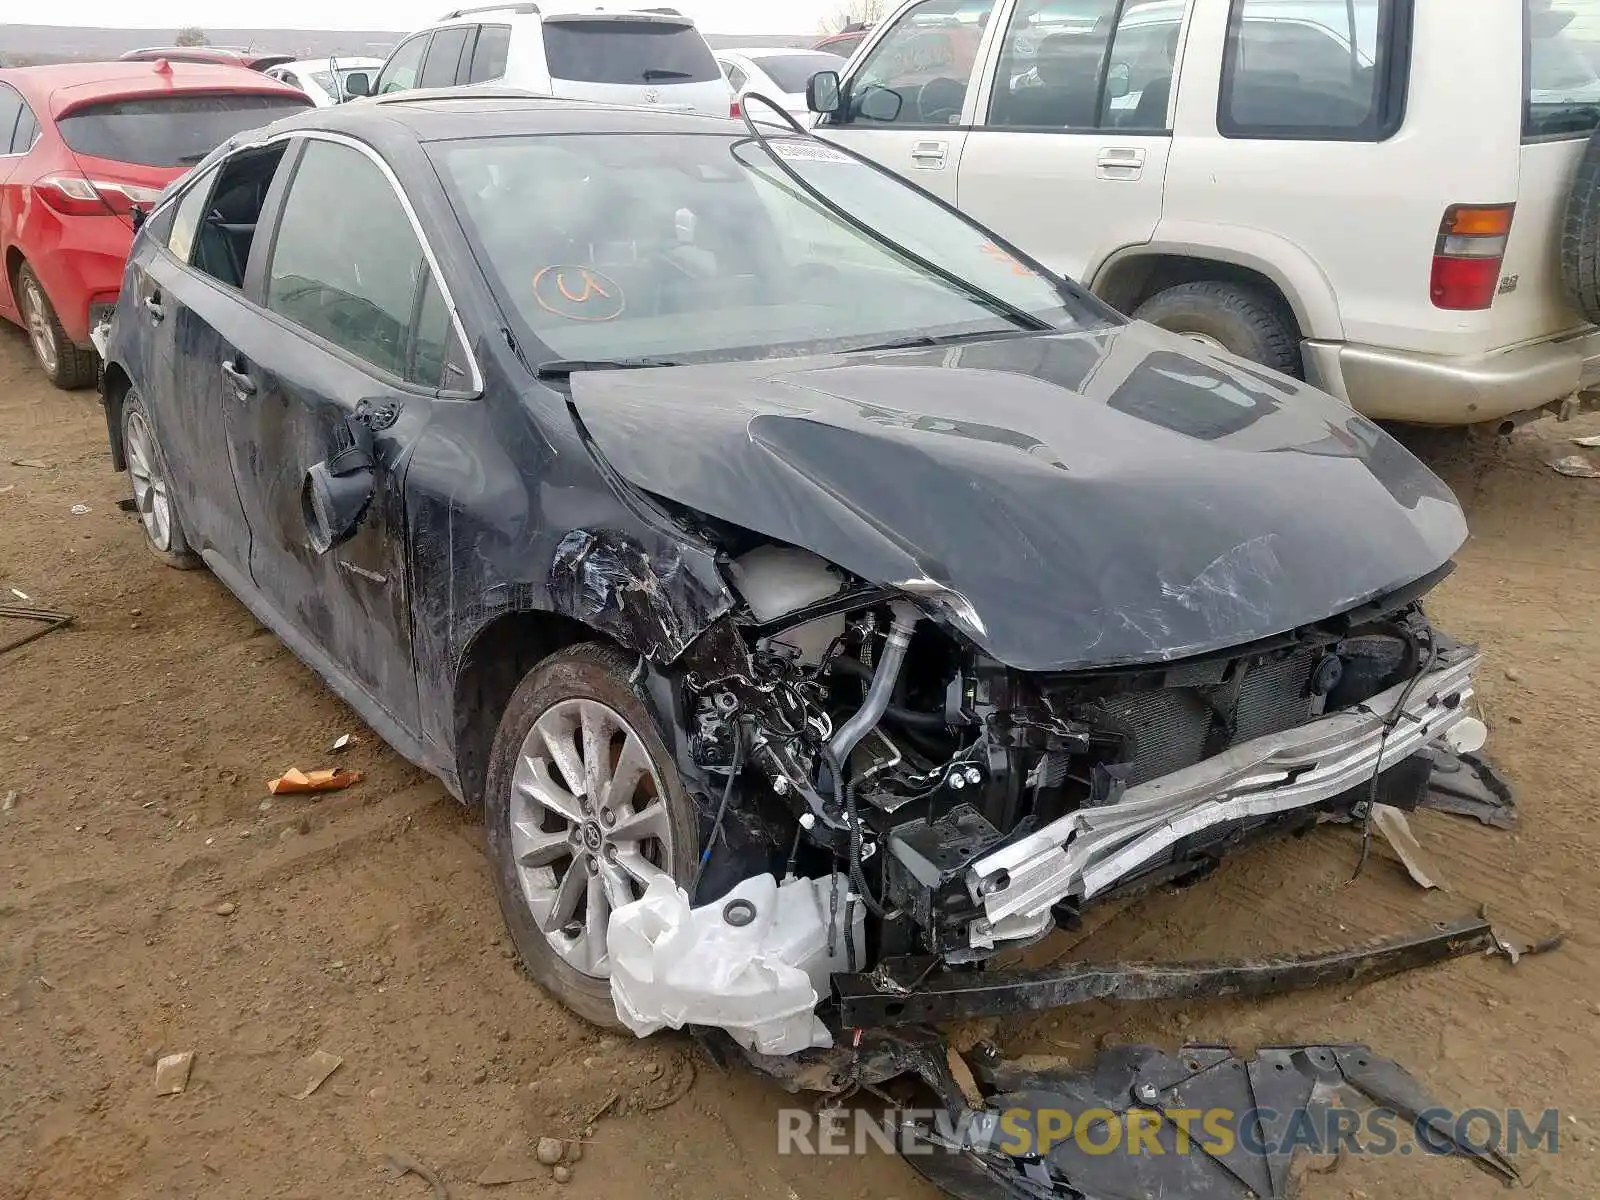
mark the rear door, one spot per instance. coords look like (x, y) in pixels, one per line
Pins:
(180, 291)
(910, 97)
(634, 58)
(487, 62)
(446, 61)
(353, 333)
(1069, 157)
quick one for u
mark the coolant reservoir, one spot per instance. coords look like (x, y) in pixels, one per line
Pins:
(777, 580)
(754, 963)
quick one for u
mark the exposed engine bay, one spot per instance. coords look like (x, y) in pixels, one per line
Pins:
(964, 807)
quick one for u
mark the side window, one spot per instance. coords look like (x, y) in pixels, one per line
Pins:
(1320, 70)
(27, 131)
(188, 215)
(436, 359)
(346, 263)
(918, 74)
(1052, 66)
(400, 73)
(736, 78)
(444, 57)
(214, 223)
(291, 80)
(10, 110)
(489, 55)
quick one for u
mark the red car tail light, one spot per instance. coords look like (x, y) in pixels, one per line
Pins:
(77, 196)
(734, 109)
(1467, 256)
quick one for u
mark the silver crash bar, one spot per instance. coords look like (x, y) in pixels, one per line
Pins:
(1088, 851)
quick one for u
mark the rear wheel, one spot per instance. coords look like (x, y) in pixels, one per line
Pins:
(583, 809)
(68, 365)
(152, 493)
(1243, 320)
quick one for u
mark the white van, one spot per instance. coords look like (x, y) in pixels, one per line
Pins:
(615, 55)
(1383, 196)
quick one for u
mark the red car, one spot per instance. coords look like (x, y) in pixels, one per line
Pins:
(81, 144)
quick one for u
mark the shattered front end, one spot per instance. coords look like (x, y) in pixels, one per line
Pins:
(973, 807)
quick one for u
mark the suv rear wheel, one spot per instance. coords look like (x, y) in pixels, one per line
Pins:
(583, 809)
(1235, 317)
(68, 365)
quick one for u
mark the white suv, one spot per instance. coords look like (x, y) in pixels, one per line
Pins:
(619, 56)
(1383, 196)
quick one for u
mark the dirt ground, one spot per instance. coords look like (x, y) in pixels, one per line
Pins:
(153, 900)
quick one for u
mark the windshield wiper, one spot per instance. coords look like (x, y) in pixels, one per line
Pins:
(563, 368)
(664, 73)
(1018, 316)
(942, 339)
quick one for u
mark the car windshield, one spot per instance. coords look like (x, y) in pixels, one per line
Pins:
(608, 50)
(1563, 77)
(791, 72)
(169, 131)
(697, 247)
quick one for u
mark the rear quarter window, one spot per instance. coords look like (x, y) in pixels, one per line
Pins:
(1561, 68)
(169, 131)
(1316, 70)
(635, 52)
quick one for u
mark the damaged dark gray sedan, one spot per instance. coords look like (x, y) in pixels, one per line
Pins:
(802, 578)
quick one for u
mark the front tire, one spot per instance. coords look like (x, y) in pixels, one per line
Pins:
(68, 365)
(583, 808)
(1243, 320)
(152, 489)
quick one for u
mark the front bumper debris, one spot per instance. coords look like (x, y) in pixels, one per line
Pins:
(913, 991)
(1089, 851)
(1061, 1132)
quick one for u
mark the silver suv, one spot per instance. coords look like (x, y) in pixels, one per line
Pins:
(650, 56)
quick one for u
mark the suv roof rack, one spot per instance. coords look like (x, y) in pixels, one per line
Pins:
(522, 9)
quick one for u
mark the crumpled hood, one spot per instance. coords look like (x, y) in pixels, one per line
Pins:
(1099, 498)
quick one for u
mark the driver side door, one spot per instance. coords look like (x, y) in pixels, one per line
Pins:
(909, 100)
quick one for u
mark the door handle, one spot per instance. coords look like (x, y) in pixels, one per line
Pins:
(929, 155)
(1120, 162)
(242, 383)
(152, 305)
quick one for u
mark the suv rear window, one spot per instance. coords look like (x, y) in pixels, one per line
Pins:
(1562, 69)
(628, 52)
(169, 131)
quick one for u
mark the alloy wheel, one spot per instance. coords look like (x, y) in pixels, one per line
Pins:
(36, 316)
(589, 827)
(149, 485)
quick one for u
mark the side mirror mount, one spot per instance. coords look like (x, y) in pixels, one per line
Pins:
(335, 496)
(356, 84)
(1119, 81)
(824, 92)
